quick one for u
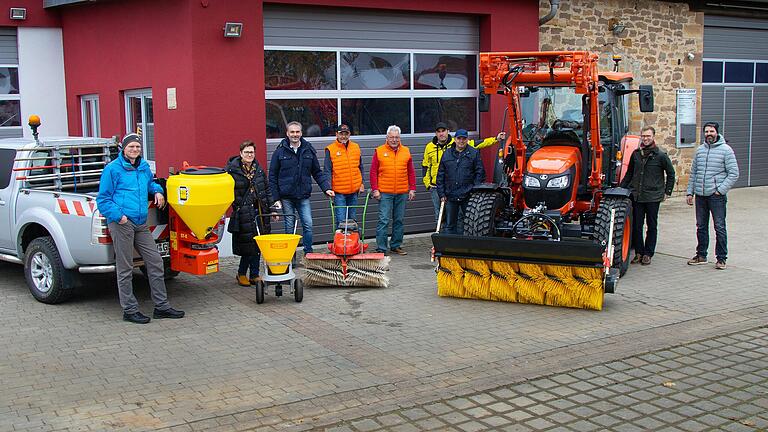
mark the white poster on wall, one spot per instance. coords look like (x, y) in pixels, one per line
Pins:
(686, 118)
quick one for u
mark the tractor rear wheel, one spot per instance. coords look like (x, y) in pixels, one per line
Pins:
(482, 209)
(622, 229)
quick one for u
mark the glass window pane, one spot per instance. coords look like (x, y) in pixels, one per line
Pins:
(444, 71)
(713, 72)
(375, 71)
(374, 116)
(87, 108)
(317, 116)
(9, 80)
(739, 72)
(134, 102)
(10, 113)
(457, 113)
(149, 132)
(299, 70)
(761, 73)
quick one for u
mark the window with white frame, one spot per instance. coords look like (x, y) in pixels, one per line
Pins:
(726, 71)
(89, 111)
(10, 101)
(369, 90)
(139, 118)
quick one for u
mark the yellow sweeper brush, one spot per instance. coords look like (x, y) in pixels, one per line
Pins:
(567, 273)
(347, 264)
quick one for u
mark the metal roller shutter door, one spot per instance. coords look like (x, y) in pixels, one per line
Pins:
(293, 26)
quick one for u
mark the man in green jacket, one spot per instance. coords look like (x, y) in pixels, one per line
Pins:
(645, 177)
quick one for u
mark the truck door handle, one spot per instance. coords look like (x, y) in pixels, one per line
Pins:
(2, 202)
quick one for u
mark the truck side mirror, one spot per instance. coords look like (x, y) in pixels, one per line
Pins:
(646, 98)
(483, 101)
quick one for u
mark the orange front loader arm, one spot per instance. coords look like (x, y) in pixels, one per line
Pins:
(504, 72)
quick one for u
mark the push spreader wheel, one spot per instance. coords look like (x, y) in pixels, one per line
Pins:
(260, 292)
(298, 290)
(622, 229)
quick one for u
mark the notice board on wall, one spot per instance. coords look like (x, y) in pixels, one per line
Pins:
(686, 118)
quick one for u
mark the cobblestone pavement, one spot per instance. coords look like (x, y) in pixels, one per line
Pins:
(716, 384)
(352, 353)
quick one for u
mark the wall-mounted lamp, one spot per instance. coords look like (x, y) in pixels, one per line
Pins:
(233, 30)
(616, 27)
(690, 56)
(18, 13)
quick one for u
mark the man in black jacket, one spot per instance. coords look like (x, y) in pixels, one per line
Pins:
(645, 177)
(460, 169)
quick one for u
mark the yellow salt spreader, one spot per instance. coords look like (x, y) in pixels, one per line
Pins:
(277, 252)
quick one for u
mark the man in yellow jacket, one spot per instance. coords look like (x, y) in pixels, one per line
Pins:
(344, 165)
(433, 152)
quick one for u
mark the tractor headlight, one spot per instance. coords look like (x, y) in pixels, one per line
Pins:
(558, 183)
(532, 182)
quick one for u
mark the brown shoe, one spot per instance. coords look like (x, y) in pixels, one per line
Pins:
(254, 280)
(636, 259)
(645, 260)
(720, 265)
(399, 251)
(242, 280)
(697, 260)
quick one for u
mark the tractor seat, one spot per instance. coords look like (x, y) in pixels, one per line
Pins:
(562, 137)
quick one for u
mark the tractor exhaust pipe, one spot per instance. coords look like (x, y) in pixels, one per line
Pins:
(554, 5)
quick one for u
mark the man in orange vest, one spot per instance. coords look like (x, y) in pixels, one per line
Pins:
(393, 180)
(344, 164)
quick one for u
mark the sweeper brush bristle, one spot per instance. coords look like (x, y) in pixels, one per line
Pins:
(547, 284)
(360, 273)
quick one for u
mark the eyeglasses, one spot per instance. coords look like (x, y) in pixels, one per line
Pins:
(249, 152)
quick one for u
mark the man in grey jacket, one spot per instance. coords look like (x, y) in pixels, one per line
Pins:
(713, 173)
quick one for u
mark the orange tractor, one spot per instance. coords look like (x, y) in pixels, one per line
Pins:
(554, 228)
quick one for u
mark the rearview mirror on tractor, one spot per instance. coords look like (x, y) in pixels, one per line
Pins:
(646, 98)
(483, 101)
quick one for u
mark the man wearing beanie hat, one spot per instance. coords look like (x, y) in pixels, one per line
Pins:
(433, 152)
(714, 171)
(125, 185)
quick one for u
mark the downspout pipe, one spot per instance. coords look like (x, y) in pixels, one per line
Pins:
(554, 5)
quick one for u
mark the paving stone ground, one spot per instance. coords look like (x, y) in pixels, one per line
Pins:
(715, 384)
(367, 354)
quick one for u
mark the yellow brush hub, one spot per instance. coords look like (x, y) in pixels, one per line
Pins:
(554, 285)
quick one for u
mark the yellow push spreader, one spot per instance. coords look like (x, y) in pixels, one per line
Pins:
(554, 228)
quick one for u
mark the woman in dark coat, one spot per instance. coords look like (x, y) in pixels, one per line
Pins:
(251, 199)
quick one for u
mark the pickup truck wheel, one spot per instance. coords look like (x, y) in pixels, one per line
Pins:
(47, 279)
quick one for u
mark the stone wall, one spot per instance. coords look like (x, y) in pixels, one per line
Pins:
(655, 44)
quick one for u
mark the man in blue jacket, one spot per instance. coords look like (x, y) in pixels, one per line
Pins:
(460, 169)
(125, 186)
(294, 163)
(714, 171)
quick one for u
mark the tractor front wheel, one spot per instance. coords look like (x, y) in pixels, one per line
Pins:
(483, 208)
(622, 229)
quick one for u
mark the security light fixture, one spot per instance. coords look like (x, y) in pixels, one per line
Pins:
(18, 13)
(233, 30)
(616, 27)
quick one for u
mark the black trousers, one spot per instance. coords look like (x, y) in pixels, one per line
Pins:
(645, 214)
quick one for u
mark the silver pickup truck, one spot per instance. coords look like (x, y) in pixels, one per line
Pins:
(48, 216)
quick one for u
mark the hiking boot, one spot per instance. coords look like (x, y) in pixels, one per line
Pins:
(636, 259)
(697, 260)
(399, 251)
(645, 260)
(242, 280)
(720, 265)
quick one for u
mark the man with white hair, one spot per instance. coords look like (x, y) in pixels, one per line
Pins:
(393, 181)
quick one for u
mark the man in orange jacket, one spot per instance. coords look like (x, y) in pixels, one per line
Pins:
(393, 180)
(344, 165)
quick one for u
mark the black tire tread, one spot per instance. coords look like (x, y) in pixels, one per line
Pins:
(481, 212)
(623, 208)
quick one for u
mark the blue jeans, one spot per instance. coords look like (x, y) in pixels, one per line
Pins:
(249, 261)
(715, 205)
(453, 216)
(435, 201)
(303, 207)
(345, 200)
(391, 208)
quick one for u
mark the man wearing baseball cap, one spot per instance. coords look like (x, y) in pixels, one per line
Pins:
(460, 170)
(125, 184)
(344, 165)
(434, 151)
